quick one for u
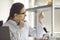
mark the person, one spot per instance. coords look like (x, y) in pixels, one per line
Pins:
(42, 31)
(19, 29)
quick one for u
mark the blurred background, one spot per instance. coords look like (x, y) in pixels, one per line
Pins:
(33, 8)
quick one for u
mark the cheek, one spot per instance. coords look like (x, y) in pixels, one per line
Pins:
(21, 17)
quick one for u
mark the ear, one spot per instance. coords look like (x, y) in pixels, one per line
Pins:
(15, 14)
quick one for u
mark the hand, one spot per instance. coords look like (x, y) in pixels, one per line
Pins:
(21, 25)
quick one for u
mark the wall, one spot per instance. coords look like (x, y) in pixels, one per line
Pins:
(57, 20)
(4, 9)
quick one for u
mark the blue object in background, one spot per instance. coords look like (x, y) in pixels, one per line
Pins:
(1, 23)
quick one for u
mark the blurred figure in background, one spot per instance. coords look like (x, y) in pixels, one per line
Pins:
(42, 33)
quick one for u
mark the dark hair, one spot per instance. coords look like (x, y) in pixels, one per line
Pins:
(16, 8)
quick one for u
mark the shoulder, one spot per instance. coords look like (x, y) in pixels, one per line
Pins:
(6, 24)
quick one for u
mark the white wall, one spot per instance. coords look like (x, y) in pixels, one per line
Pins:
(4, 9)
(57, 20)
(57, 2)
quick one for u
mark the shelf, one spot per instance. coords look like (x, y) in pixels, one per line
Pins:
(57, 6)
(39, 7)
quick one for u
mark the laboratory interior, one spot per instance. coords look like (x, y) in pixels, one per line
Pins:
(51, 9)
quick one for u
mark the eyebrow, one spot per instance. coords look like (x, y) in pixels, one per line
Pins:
(23, 13)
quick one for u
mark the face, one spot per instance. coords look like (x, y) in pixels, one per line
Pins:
(41, 16)
(21, 16)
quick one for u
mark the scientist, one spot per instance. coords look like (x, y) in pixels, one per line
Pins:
(41, 29)
(19, 30)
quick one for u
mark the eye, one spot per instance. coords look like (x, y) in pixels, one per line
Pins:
(22, 13)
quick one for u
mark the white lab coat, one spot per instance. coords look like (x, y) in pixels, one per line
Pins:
(40, 31)
(17, 34)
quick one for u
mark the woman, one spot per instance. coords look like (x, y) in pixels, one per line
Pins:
(19, 30)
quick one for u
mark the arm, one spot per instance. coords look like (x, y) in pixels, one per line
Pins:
(39, 29)
(32, 32)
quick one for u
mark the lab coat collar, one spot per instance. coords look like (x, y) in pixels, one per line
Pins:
(13, 23)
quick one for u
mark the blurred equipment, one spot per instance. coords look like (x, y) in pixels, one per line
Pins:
(50, 3)
(45, 30)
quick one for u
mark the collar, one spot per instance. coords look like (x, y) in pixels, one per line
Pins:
(13, 23)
